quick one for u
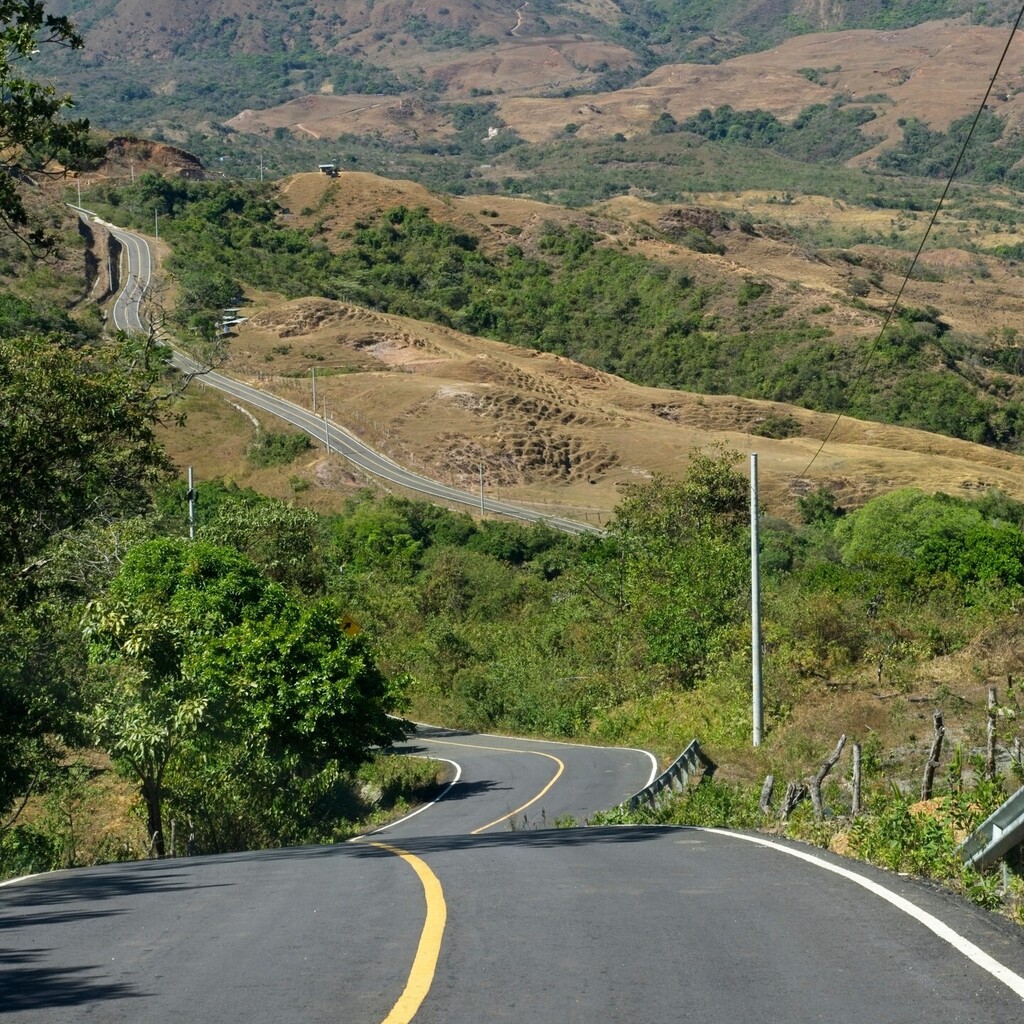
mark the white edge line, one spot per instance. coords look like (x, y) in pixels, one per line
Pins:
(25, 878)
(425, 807)
(654, 764)
(1011, 980)
(557, 743)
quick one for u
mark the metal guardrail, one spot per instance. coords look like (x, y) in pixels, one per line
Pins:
(999, 833)
(675, 778)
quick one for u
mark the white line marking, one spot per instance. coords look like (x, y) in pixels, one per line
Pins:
(419, 810)
(1012, 981)
(25, 878)
(556, 743)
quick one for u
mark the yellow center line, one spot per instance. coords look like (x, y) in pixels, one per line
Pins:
(421, 976)
(509, 750)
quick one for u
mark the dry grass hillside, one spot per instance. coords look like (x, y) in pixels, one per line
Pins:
(935, 72)
(972, 291)
(557, 435)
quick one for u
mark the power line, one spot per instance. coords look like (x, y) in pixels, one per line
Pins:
(928, 230)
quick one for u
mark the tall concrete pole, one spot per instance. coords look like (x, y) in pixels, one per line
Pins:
(755, 606)
(191, 506)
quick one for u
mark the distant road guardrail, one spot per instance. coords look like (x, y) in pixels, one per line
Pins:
(999, 833)
(675, 778)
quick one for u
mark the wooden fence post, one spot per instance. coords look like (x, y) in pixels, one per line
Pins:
(933, 758)
(855, 802)
(795, 792)
(990, 746)
(819, 810)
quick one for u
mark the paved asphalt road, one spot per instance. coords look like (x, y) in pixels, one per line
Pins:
(127, 316)
(455, 916)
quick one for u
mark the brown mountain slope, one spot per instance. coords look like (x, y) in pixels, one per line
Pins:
(936, 72)
(459, 46)
(551, 433)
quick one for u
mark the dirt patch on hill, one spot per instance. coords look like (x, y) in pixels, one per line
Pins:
(935, 72)
(550, 433)
(127, 156)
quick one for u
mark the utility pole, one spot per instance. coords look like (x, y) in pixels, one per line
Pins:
(132, 162)
(191, 506)
(261, 168)
(755, 606)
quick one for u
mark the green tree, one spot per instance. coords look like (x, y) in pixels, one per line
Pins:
(204, 666)
(39, 673)
(674, 563)
(148, 636)
(78, 449)
(32, 130)
(283, 540)
(78, 439)
(918, 540)
(819, 507)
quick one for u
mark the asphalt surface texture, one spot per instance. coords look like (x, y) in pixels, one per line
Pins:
(529, 922)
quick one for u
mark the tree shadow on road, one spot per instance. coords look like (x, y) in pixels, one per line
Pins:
(535, 838)
(91, 885)
(28, 983)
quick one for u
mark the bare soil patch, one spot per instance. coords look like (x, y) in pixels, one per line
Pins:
(936, 72)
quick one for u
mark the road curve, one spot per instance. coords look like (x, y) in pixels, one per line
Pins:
(303, 934)
(127, 316)
(512, 783)
(461, 914)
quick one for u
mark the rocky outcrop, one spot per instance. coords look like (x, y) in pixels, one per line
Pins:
(152, 156)
(102, 261)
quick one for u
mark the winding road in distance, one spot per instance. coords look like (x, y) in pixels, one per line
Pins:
(474, 909)
(127, 316)
(471, 910)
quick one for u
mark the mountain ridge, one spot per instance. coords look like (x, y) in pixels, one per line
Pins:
(607, 68)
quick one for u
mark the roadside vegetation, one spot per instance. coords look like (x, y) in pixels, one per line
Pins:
(172, 654)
